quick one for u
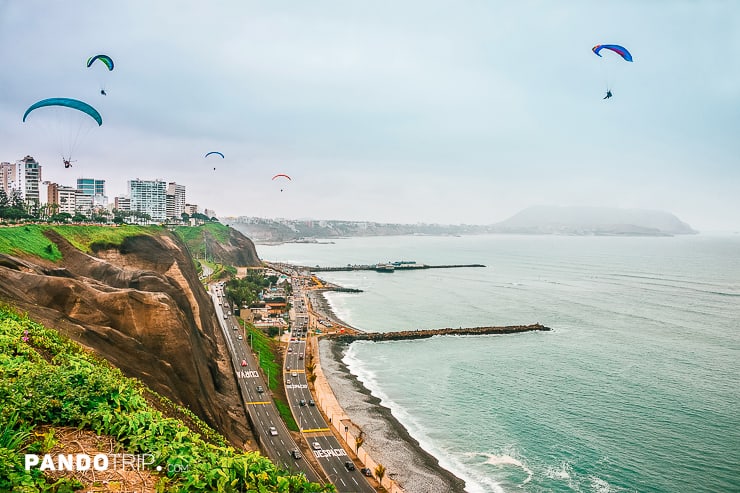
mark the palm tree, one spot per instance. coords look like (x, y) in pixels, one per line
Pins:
(359, 440)
(380, 472)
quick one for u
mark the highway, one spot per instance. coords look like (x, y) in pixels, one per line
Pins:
(332, 457)
(278, 443)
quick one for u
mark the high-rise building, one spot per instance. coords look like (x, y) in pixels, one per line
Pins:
(31, 178)
(191, 209)
(149, 197)
(7, 176)
(91, 186)
(95, 188)
(175, 200)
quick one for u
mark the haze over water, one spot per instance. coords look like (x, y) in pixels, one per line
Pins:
(635, 389)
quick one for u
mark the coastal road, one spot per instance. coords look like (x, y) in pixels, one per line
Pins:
(332, 457)
(266, 422)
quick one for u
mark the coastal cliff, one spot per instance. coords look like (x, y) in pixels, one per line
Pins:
(138, 304)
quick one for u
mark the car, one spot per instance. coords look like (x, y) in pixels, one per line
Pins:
(273, 431)
(300, 356)
(294, 374)
(290, 349)
(260, 389)
(240, 337)
(296, 454)
(311, 402)
(316, 446)
(302, 402)
(244, 362)
(349, 465)
(366, 471)
(288, 382)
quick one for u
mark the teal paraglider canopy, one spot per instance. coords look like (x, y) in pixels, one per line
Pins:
(69, 103)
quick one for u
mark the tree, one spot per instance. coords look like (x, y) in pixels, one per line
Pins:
(61, 217)
(380, 472)
(359, 440)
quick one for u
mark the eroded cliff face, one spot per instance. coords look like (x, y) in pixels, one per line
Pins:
(141, 307)
(239, 250)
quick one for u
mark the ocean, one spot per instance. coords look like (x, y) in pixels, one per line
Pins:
(637, 387)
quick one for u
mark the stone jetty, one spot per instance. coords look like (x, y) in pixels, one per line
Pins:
(424, 333)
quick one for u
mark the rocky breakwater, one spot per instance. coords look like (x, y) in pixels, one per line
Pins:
(424, 333)
(140, 306)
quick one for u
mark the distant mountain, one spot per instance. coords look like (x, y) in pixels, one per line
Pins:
(593, 221)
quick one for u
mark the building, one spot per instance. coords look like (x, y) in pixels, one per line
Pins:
(191, 209)
(31, 179)
(83, 203)
(175, 200)
(64, 197)
(209, 213)
(91, 186)
(7, 176)
(122, 203)
(149, 197)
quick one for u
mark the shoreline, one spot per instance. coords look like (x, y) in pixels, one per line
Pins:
(387, 441)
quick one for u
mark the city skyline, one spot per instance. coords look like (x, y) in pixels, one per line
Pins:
(439, 112)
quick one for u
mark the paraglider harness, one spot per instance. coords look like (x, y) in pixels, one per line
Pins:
(608, 94)
(68, 162)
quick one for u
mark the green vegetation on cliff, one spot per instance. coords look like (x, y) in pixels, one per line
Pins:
(47, 380)
(197, 237)
(30, 239)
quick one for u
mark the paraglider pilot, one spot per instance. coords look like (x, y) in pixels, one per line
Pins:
(102, 91)
(608, 94)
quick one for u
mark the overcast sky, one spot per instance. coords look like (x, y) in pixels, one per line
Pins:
(399, 111)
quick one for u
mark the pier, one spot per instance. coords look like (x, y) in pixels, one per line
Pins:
(425, 333)
(389, 267)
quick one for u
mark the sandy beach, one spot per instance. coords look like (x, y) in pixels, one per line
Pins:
(387, 440)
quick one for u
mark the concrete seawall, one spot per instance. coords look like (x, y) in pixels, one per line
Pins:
(339, 420)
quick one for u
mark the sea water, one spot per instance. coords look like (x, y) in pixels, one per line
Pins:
(635, 389)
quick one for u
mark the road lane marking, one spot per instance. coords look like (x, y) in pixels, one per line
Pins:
(258, 402)
(315, 430)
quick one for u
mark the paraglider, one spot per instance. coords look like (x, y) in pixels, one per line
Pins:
(619, 50)
(68, 103)
(281, 175)
(67, 119)
(217, 154)
(107, 62)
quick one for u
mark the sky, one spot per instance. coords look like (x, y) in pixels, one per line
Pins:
(393, 111)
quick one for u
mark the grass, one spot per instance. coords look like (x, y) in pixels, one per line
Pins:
(48, 380)
(85, 237)
(264, 346)
(193, 236)
(30, 240)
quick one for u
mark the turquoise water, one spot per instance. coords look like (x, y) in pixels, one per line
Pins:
(635, 389)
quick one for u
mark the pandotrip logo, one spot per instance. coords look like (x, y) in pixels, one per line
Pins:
(97, 462)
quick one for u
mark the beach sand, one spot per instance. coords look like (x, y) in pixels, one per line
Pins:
(386, 440)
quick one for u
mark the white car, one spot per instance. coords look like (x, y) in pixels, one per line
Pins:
(316, 446)
(273, 431)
